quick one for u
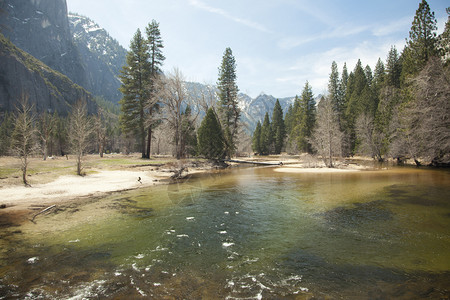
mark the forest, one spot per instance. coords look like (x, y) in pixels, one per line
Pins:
(400, 110)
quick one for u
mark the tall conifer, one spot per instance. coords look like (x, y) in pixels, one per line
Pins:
(135, 89)
(228, 100)
(278, 127)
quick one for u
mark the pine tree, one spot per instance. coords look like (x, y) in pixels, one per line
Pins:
(6, 130)
(266, 136)
(343, 96)
(422, 43)
(188, 135)
(228, 100)
(358, 101)
(211, 142)
(256, 139)
(393, 68)
(156, 58)
(379, 76)
(135, 89)
(444, 40)
(278, 127)
(304, 119)
(333, 88)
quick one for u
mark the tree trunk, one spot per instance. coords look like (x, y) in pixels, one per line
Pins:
(45, 150)
(24, 172)
(149, 142)
(79, 165)
(331, 152)
(143, 145)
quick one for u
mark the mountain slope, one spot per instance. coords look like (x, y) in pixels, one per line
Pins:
(102, 55)
(41, 28)
(48, 90)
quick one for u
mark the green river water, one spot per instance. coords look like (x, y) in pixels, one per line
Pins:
(247, 233)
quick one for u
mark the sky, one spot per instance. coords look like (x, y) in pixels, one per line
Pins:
(278, 44)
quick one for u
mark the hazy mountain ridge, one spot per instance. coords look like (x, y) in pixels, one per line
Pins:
(103, 55)
(98, 41)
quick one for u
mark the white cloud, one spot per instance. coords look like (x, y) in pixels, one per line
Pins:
(400, 25)
(342, 31)
(223, 13)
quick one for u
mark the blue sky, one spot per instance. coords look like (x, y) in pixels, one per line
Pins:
(278, 44)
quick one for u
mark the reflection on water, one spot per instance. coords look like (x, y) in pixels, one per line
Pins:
(240, 234)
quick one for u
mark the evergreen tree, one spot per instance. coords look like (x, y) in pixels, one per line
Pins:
(305, 119)
(359, 99)
(228, 100)
(422, 43)
(256, 140)
(188, 135)
(369, 75)
(393, 68)
(211, 142)
(135, 89)
(379, 77)
(266, 136)
(6, 130)
(343, 96)
(288, 119)
(444, 40)
(333, 88)
(156, 58)
(61, 134)
(278, 127)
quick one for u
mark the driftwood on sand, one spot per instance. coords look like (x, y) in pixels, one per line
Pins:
(43, 211)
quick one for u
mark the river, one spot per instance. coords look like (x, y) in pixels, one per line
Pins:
(246, 233)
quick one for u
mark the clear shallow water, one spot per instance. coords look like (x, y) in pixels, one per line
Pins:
(246, 233)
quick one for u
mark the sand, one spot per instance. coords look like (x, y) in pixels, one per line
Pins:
(70, 186)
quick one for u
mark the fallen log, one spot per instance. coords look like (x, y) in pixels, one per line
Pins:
(42, 211)
(253, 162)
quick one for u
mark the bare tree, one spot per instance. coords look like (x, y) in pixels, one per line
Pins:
(203, 98)
(24, 135)
(163, 141)
(327, 137)
(100, 131)
(174, 95)
(46, 127)
(79, 132)
(370, 138)
(423, 124)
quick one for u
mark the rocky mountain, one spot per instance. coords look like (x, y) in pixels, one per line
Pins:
(252, 109)
(103, 56)
(68, 43)
(41, 28)
(23, 75)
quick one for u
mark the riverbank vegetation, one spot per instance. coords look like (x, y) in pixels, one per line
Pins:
(400, 110)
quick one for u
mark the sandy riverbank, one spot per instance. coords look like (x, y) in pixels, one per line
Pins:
(71, 186)
(114, 174)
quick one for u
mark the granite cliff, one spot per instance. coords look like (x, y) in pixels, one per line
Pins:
(47, 89)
